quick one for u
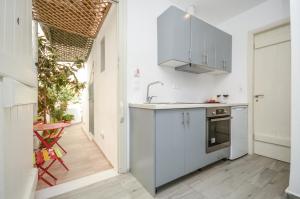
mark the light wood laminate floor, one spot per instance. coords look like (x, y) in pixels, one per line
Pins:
(83, 158)
(251, 177)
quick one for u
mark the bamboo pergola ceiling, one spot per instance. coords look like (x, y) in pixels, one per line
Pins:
(71, 24)
(69, 46)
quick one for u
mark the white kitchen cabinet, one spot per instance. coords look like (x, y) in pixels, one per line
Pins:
(239, 132)
(16, 41)
(189, 44)
(168, 144)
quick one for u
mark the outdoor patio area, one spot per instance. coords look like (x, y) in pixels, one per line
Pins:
(83, 158)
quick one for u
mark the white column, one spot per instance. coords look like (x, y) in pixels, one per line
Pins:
(294, 185)
(2, 180)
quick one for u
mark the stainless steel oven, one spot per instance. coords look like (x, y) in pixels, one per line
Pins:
(218, 128)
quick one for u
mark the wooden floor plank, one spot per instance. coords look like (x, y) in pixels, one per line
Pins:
(250, 177)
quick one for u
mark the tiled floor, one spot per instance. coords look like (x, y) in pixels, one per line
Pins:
(251, 177)
(83, 157)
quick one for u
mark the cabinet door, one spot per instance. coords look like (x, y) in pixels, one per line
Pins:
(169, 145)
(239, 132)
(173, 35)
(194, 139)
(223, 50)
(228, 53)
(203, 47)
(199, 54)
(211, 46)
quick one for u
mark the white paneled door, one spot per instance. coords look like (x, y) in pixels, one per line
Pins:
(272, 76)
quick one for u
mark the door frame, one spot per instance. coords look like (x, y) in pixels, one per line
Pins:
(123, 113)
(250, 77)
(91, 79)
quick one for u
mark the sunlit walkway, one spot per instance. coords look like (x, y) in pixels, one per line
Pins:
(83, 157)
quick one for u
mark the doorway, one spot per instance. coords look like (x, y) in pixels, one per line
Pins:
(100, 112)
(91, 103)
(271, 93)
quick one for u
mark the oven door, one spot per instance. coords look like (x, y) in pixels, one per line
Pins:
(218, 133)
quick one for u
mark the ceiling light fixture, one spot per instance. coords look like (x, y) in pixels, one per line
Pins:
(190, 11)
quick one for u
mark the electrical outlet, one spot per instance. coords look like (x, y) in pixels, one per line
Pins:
(102, 135)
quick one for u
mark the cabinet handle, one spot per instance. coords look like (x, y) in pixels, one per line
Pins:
(188, 118)
(183, 118)
(205, 61)
(259, 95)
(223, 63)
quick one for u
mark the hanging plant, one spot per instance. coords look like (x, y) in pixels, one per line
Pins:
(57, 82)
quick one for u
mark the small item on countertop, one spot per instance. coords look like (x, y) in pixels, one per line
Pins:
(212, 100)
(225, 98)
(220, 98)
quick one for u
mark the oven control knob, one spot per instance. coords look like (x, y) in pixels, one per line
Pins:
(213, 113)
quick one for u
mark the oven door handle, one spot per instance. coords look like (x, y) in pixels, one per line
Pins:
(221, 119)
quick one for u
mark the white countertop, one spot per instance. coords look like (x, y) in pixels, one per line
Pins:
(157, 106)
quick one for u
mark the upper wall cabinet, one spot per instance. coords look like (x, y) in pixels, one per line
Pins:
(174, 38)
(223, 42)
(191, 45)
(203, 45)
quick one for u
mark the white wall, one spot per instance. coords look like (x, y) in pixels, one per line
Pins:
(85, 75)
(179, 86)
(17, 175)
(2, 180)
(85, 110)
(16, 115)
(16, 41)
(142, 55)
(258, 17)
(294, 185)
(105, 88)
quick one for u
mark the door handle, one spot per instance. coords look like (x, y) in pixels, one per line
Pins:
(188, 118)
(257, 96)
(223, 64)
(205, 61)
(221, 119)
(183, 118)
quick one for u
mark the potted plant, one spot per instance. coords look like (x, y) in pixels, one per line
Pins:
(57, 83)
(68, 118)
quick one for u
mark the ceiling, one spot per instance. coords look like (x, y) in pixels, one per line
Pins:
(71, 25)
(218, 11)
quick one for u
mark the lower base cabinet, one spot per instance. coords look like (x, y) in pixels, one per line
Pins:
(168, 144)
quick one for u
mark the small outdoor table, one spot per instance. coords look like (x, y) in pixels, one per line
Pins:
(50, 131)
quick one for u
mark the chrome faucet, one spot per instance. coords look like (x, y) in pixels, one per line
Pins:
(149, 98)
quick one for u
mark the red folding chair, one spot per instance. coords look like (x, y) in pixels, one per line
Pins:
(54, 137)
(41, 157)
